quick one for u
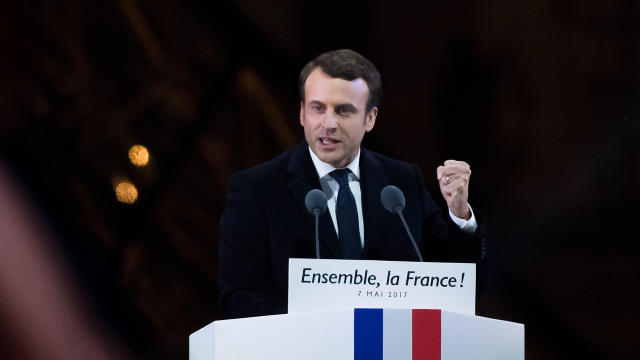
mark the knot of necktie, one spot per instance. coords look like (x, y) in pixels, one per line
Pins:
(341, 176)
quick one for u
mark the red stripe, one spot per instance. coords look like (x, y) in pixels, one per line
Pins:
(426, 334)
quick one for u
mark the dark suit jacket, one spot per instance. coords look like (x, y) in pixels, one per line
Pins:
(265, 223)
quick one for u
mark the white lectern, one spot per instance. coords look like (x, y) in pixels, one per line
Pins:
(358, 334)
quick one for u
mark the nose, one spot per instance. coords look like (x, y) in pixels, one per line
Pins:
(330, 120)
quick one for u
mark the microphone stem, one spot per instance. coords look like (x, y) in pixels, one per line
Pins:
(317, 239)
(406, 227)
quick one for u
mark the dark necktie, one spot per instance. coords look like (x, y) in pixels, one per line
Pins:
(347, 217)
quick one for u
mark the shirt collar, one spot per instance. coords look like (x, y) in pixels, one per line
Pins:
(324, 169)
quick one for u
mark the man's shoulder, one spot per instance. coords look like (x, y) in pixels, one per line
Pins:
(388, 163)
(272, 168)
(403, 174)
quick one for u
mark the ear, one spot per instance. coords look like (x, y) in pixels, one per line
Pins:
(301, 113)
(370, 119)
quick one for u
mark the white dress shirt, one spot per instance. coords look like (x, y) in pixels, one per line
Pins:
(330, 187)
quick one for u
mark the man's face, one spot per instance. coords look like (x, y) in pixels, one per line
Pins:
(333, 116)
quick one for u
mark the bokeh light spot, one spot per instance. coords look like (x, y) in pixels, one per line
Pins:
(126, 192)
(139, 155)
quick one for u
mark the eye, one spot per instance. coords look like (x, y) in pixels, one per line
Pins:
(317, 107)
(345, 110)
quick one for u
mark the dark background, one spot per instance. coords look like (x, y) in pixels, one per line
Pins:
(541, 97)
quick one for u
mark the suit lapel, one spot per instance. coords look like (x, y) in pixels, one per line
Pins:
(303, 178)
(372, 180)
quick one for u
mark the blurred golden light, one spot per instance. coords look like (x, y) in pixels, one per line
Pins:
(139, 155)
(126, 192)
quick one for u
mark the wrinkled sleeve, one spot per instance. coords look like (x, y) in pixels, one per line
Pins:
(443, 240)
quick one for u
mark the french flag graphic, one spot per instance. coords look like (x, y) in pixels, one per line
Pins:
(397, 334)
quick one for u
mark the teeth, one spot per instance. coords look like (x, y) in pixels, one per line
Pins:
(327, 141)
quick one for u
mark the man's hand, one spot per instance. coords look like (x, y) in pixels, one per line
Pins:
(454, 185)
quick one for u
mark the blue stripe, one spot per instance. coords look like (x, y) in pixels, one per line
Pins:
(367, 334)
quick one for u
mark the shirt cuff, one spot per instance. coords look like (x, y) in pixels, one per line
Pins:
(467, 226)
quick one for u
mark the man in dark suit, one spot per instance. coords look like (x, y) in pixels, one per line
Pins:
(265, 221)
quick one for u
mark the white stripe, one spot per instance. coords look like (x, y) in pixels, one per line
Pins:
(396, 334)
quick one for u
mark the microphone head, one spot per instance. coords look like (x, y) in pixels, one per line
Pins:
(316, 202)
(392, 199)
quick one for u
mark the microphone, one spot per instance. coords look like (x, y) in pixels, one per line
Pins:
(393, 200)
(316, 203)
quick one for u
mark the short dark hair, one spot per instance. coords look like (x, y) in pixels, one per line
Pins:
(348, 65)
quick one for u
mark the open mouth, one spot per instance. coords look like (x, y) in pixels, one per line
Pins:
(328, 141)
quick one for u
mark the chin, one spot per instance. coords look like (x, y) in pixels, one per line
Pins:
(331, 160)
(327, 159)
